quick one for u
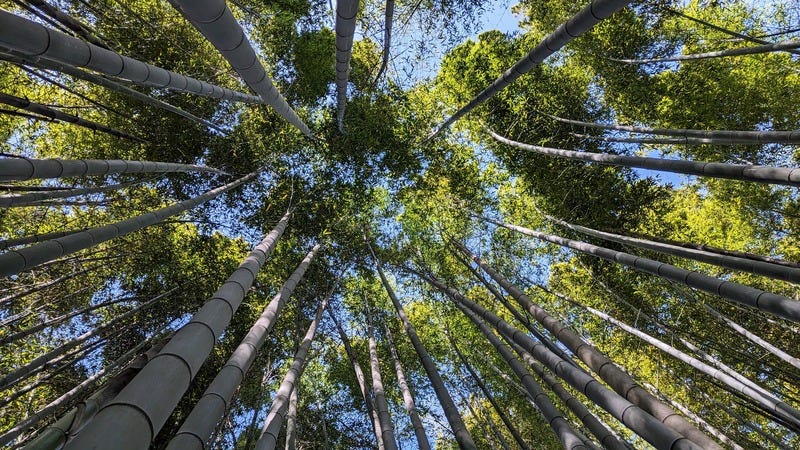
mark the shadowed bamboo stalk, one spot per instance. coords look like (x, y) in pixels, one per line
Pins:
(108, 84)
(787, 358)
(724, 137)
(486, 393)
(22, 169)
(603, 434)
(133, 418)
(29, 38)
(215, 21)
(387, 39)
(554, 418)
(644, 140)
(54, 114)
(346, 11)
(408, 397)
(384, 418)
(756, 298)
(56, 434)
(755, 50)
(583, 21)
(777, 271)
(768, 402)
(448, 406)
(272, 425)
(15, 261)
(33, 198)
(741, 172)
(199, 424)
(360, 379)
(622, 383)
(643, 424)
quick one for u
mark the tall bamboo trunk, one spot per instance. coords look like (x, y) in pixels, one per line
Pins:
(135, 416)
(765, 301)
(108, 84)
(486, 393)
(617, 379)
(21, 169)
(387, 39)
(643, 424)
(291, 421)
(384, 418)
(448, 406)
(752, 337)
(722, 137)
(269, 434)
(215, 21)
(742, 172)
(554, 418)
(408, 397)
(34, 198)
(578, 24)
(759, 396)
(29, 38)
(211, 407)
(346, 11)
(59, 116)
(56, 435)
(776, 271)
(360, 379)
(15, 261)
(755, 50)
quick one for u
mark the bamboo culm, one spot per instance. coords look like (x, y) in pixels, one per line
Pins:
(28, 38)
(755, 50)
(199, 424)
(23, 169)
(214, 19)
(408, 397)
(346, 11)
(275, 417)
(133, 418)
(741, 172)
(15, 261)
(580, 23)
(622, 383)
(384, 418)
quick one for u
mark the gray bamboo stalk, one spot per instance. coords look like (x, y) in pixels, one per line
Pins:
(643, 424)
(741, 172)
(13, 242)
(346, 11)
(57, 320)
(360, 379)
(68, 21)
(199, 424)
(25, 370)
(408, 397)
(583, 21)
(214, 19)
(15, 261)
(387, 39)
(54, 114)
(108, 84)
(554, 418)
(32, 198)
(723, 137)
(272, 425)
(56, 434)
(133, 418)
(622, 383)
(756, 298)
(22, 169)
(486, 393)
(291, 421)
(449, 408)
(755, 50)
(29, 38)
(384, 418)
(770, 403)
(638, 140)
(787, 358)
(599, 430)
(735, 34)
(719, 435)
(779, 272)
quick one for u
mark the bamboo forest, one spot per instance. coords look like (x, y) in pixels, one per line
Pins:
(400, 224)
